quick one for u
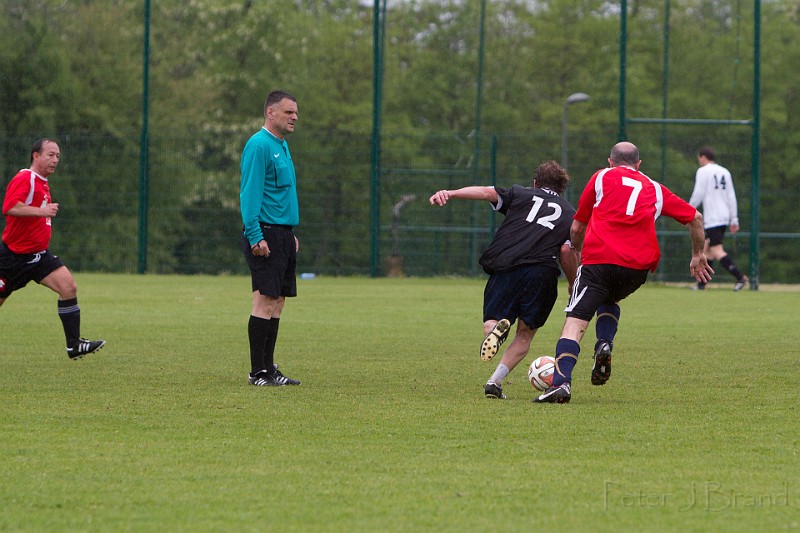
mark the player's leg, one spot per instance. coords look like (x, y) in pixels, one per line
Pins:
(588, 293)
(567, 351)
(727, 263)
(606, 329)
(534, 291)
(496, 333)
(61, 282)
(499, 298)
(515, 352)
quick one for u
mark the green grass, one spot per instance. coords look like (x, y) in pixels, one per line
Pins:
(697, 430)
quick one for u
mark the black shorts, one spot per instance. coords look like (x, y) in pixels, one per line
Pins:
(527, 292)
(17, 270)
(715, 235)
(273, 275)
(602, 284)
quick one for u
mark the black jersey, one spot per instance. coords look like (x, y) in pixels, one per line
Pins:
(537, 222)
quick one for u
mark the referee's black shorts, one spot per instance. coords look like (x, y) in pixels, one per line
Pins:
(602, 284)
(275, 274)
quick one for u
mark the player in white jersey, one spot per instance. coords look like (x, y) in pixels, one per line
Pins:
(713, 187)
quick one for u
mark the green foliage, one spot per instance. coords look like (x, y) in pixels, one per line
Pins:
(390, 430)
(73, 70)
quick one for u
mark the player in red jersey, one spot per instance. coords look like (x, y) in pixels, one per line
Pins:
(614, 229)
(24, 254)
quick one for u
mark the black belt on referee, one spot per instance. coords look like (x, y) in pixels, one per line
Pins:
(281, 226)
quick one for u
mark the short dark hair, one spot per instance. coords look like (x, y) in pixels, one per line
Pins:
(551, 175)
(38, 146)
(624, 153)
(707, 152)
(276, 96)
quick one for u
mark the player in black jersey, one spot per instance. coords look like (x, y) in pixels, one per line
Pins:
(522, 262)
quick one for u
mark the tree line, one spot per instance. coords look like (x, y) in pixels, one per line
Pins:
(73, 70)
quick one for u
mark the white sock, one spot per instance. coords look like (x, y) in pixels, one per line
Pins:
(499, 374)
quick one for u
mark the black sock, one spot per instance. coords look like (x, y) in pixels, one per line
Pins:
(727, 263)
(257, 331)
(70, 314)
(269, 346)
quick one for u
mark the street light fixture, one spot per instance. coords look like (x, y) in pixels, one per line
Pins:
(571, 99)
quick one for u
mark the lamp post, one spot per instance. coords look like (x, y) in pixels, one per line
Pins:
(574, 98)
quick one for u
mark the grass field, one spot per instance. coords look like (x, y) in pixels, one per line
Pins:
(697, 430)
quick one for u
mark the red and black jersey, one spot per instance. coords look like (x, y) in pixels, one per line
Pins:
(620, 206)
(536, 224)
(25, 235)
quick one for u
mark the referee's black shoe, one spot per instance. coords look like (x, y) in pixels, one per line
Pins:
(601, 370)
(84, 347)
(280, 379)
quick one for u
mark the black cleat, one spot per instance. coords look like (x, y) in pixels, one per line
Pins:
(84, 347)
(740, 283)
(280, 378)
(494, 339)
(560, 394)
(601, 370)
(495, 391)
(262, 379)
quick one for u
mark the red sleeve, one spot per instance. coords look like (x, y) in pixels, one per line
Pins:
(17, 191)
(587, 201)
(676, 207)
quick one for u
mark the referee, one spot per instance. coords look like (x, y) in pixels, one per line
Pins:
(269, 207)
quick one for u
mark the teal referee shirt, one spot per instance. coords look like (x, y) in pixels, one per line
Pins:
(268, 193)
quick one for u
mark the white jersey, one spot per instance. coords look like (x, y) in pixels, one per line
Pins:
(713, 187)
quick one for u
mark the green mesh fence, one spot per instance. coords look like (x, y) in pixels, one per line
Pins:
(194, 223)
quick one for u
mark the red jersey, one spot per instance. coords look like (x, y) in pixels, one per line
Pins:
(26, 235)
(620, 206)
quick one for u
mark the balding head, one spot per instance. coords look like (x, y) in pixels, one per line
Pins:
(624, 153)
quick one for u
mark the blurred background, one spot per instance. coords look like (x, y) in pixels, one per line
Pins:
(152, 104)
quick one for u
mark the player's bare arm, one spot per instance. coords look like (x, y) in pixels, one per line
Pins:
(569, 258)
(465, 193)
(22, 210)
(576, 234)
(699, 267)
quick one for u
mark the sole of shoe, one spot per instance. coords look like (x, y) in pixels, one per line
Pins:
(494, 339)
(601, 370)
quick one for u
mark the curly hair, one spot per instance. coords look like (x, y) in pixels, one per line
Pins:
(551, 175)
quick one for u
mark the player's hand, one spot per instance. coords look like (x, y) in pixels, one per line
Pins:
(734, 228)
(49, 210)
(440, 197)
(261, 249)
(700, 269)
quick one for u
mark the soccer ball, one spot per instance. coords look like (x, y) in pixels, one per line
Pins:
(540, 373)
